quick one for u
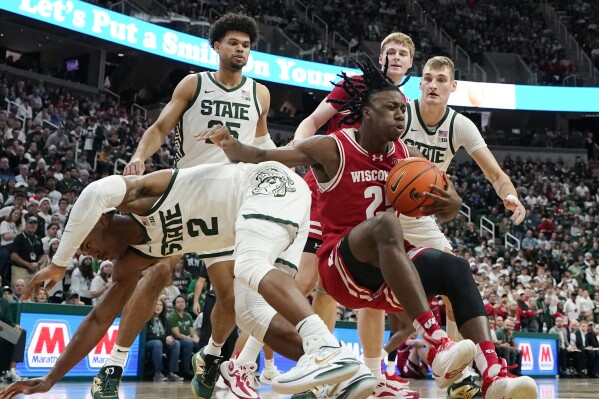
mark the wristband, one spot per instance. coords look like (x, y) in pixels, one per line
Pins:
(512, 198)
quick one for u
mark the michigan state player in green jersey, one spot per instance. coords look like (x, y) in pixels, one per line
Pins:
(199, 101)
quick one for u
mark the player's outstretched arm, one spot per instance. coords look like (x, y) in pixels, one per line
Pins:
(153, 138)
(320, 116)
(501, 183)
(89, 332)
(315, 150)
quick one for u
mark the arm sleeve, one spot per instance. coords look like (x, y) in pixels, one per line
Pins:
(467, 135)
(264, 142)
(93, 201)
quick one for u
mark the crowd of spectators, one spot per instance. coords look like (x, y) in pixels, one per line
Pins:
(551, 283)
(355, 21)
(511, 26)
(581, 20)
(55, 142)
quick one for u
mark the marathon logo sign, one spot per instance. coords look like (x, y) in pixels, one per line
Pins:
(546, 360)
(49, 335)
(47, 343)
(527, 363)
(539, 355)
(50, 338)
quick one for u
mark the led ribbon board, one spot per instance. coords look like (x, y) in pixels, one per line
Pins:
(144, 36)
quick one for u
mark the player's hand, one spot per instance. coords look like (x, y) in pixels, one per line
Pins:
(448, 202)
(135, 167)
(27, 387)
(221, 136)
(196, 308)
(512, 203)
(52, 273)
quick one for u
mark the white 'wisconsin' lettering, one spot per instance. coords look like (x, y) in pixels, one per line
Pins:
(369, 175)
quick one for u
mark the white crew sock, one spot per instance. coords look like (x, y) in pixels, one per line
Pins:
(269, 363)
(213, 348)
(374, 365)
(250, 351)
(118, 356)
(312, 327)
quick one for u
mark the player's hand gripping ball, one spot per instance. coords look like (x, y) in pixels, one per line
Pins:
(408, 181)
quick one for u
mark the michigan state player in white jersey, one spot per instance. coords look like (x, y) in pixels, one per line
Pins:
(212, 104)
(199, 101)
(260, 209)
(438, 132)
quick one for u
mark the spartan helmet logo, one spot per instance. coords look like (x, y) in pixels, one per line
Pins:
(274, 181)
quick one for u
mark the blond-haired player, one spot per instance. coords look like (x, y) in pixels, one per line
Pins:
(438, 132)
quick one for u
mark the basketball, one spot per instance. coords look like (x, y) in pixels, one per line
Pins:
(408, 181)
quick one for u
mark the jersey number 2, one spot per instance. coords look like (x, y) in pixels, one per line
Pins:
(231, 125)
(376, 193)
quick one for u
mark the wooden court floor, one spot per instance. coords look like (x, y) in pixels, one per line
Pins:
(548, 389)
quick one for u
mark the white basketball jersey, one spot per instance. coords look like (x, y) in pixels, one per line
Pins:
(201, 206)
(196, 213)
(440, 143)
(238, 108)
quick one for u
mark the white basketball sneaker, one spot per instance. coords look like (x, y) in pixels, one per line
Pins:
(240, 378)
(391, 389)
(360, 386)
(448, 358)
(268, 374)
(498, 383)
(320, 365)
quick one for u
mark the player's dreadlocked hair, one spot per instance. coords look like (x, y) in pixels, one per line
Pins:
(361, 88)
(233, 22)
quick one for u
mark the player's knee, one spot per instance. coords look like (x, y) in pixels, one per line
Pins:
(227, 299)
(387, 228)
(307, 276)
(162, 273)
(252, 314)
(251, 266)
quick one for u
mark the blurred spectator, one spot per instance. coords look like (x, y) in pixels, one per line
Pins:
(576, 357)
(181, 277)
(181, 326)
(73, 298)
(15, 352)
(506, 345)
(27, 253)
(562, 342)
(591, 356)
(81, 279)
(9, 229)
(101, 282)
(18, 289)
(158, 341)
(41, 296)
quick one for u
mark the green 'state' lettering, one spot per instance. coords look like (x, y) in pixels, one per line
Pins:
(225, 109)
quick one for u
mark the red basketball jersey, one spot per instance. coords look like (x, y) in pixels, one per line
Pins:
(357, 191)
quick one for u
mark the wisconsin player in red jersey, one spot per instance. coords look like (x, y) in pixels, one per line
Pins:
(396, 57)
(364, 259)
(397, 54)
